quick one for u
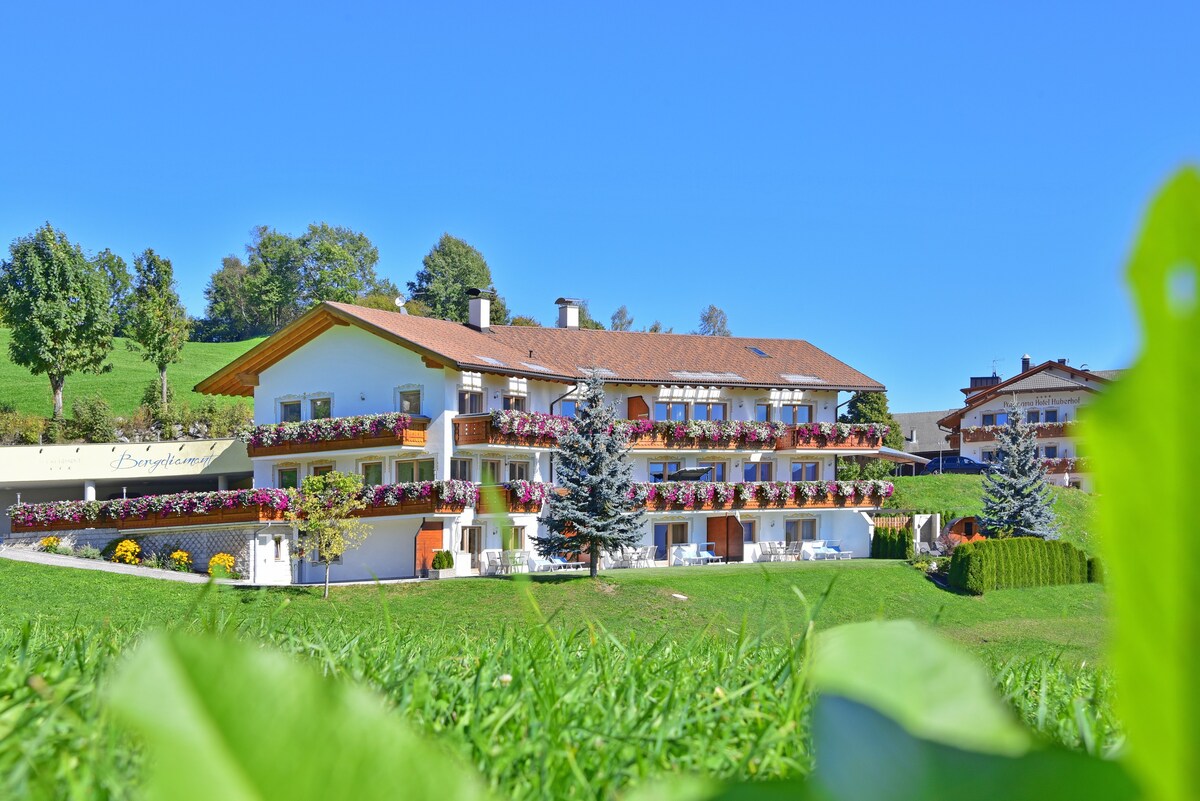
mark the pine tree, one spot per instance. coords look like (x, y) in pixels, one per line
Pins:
(595, 514)
(1016, 497)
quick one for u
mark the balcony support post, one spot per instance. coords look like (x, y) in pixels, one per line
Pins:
(89, 490)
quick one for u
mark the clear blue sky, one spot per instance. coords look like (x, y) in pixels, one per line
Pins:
(917, 189)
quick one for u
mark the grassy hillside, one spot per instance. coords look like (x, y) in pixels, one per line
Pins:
(964, 494)
(123, 386)
(1043, 621)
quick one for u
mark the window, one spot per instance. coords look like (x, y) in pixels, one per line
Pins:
(710, 411)
(668, 535)
(289, 412)
(758, 352)
(1051, 416)
(806, 471)
(757, 471)
(1033, 416)
(322, 469)
(409, 401)
(320, 408)
(796, 413)
(762, 412)
(518, 471)
(670, 410)
(278, 548)
(460, 469)
(1050, 452)
(415, 470)
(514, 403)
(567, 408)
(489, 471)
(472, 543)
(661, 471)
(749, 531)
(968, 528)
(803, 530)
(287, 478)
(470, 402)
(989, 456)
(716, 474)
(995, 419)
(512, 537)
(372, 473)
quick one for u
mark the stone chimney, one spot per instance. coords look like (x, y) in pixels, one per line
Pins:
(568, 312)
(480, 317)
(1025, 363)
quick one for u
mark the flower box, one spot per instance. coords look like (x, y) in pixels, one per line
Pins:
(388, 430)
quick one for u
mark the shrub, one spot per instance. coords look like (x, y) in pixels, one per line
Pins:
(1095, 570)
(23, 429)
(127, 552)
(92, 420)
(179, 560)
(443, 560)
(892, 543)
(88, 552)
(155, 561)
(221, 566)
(996, 564)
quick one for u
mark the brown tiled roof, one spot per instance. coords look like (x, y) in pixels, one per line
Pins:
(1035, 379)
(560, 354)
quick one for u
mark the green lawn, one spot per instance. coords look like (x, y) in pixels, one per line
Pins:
(122, 387)
(1005, 624)
(964, 494)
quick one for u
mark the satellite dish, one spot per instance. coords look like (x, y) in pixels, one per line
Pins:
(399, 301)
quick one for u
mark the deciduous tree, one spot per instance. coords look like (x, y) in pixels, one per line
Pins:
(56, 304)
(323, 510)
(158, 322)
(714, 322)
(116, 274)
(621, 320)
(595, 515)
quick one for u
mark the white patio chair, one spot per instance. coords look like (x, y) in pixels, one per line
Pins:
(705, 555)
(792, 551)
(491, 563)
(645, 556)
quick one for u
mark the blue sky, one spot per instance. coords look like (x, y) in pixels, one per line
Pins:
(918, 189)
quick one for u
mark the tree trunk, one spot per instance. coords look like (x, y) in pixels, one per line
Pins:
(162, 377)
(56, 386)
(594, 551)
(326, 595)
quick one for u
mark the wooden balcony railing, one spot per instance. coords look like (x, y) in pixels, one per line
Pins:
(1043, 430)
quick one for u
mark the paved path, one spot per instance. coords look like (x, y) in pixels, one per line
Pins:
(56, 560)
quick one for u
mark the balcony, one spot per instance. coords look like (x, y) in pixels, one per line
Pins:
(1067, 465)
(391, 430)
(1043, 430)
(672, 496)
(539, 430)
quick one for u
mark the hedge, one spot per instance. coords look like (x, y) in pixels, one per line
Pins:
(997, 564)
(1095, 570)
(892, 543)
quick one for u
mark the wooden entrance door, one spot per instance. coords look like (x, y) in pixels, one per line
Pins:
(725, 533)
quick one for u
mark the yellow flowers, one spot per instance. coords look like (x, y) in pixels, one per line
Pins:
(221, 565)
(180, 560)
(127, 552)
(49, 544)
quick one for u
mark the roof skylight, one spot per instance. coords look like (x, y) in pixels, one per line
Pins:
(757, 351)
(536, 367)
(689, 375)
(490, 360)
(796, 378)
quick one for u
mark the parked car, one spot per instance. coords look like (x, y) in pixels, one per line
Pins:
(955, 464)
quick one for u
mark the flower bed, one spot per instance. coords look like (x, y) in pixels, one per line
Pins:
(701, 494)
(327, 430)
(91, 513)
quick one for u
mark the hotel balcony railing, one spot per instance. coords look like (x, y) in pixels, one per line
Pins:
(1044, 430)
(538, 430)
(234, 507)
(336, 433)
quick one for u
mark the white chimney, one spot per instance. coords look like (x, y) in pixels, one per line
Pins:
(568, 312)
(480, 317)
(1025, 360)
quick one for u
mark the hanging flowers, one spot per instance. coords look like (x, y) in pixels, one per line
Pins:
(327, 429)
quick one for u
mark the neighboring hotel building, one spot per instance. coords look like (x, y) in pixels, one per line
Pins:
(1049, 395)
(450, 407)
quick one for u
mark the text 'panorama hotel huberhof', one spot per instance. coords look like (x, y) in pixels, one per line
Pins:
(734, 440)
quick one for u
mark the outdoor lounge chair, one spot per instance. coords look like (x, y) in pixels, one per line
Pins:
(645, 556)
(792, 551)
(707, 557)
(561, 563)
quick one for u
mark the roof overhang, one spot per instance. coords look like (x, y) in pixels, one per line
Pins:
(901, 457)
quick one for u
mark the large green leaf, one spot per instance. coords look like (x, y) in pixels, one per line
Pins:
(224, 719)
(925, 683)
(1144, 461)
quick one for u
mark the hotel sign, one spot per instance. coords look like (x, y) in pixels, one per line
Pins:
(26, 465)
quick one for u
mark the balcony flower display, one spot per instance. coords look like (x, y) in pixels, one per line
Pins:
(328, 429)
(454, 493)
(750, 431)
(1066, 427)
(839, 432)
(529, 492)
(534, 425)
(1070, 464)
(181, 503)
(692, 494)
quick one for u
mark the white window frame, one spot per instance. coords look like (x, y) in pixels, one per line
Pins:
(800, 520)
(397, 461)
(508, 463)
(470, 467)
(289, 466)
(359, 464)
(406, 388)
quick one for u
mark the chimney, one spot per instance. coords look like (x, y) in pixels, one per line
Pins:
(480, 317)
(1062, 361)
(1025, 363)
(568, 312)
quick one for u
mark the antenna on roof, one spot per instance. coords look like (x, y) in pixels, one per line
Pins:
(995, 362)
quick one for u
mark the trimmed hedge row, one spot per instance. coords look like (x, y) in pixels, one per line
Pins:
(997, 564)
(892, 543)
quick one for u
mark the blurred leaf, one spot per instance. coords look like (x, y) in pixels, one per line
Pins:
(921, 680)
(863, 755)
(223, 719)
(1144, 462)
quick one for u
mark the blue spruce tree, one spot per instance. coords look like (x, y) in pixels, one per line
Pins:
(1016, 497)
(595, 514)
